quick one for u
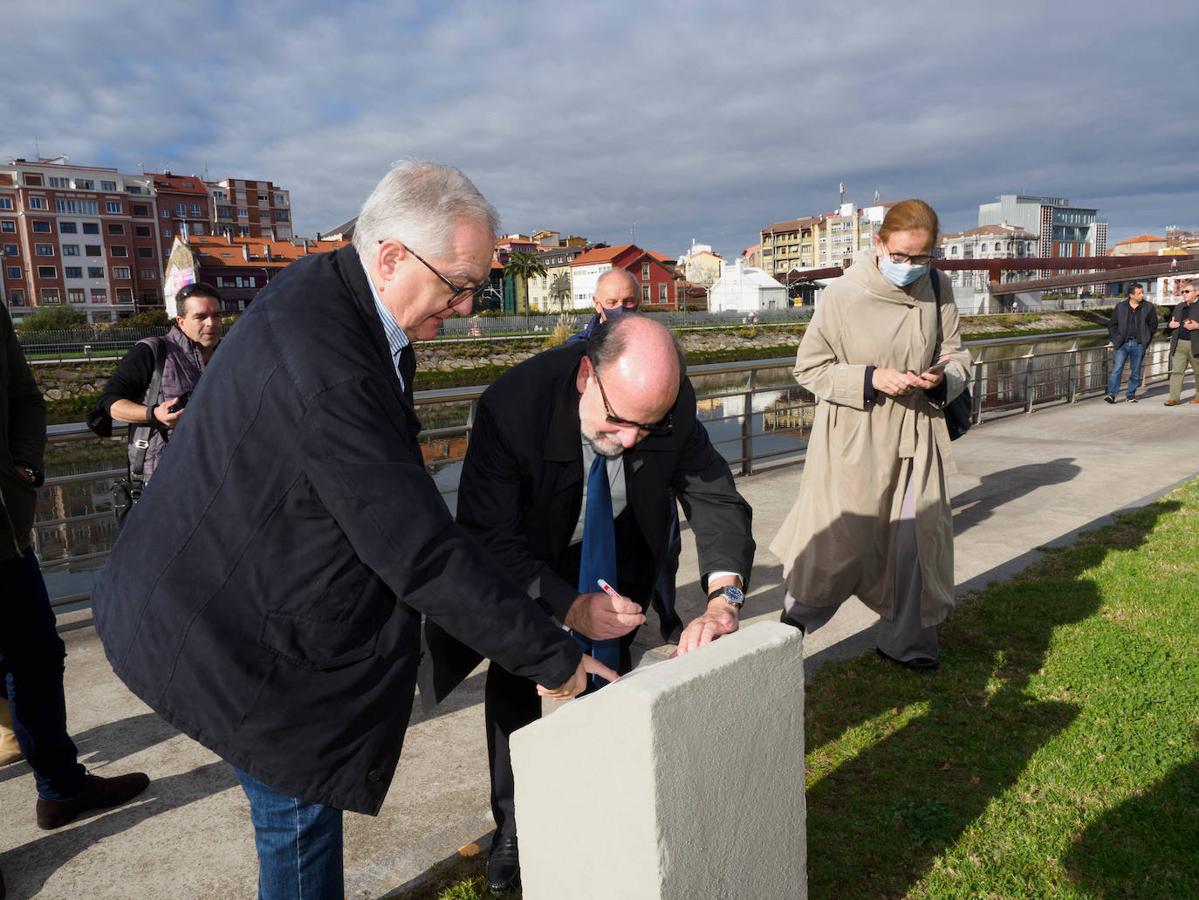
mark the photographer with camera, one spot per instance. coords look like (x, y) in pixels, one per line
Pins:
(169, 367)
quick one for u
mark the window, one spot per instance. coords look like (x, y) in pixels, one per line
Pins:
(148, 275)
(95, 272)
(645, 271)
(145, 252)
(108, 185)
(8, 226)
(72, 272)
(47, 271)
(68, 227)
(661, 293)
(43, 249)
(150, 297)
(645, 293)
(124, 295)
(99, 295)
(33, 180)
(280, 200)
(121, 272)
(139, 209)
(84, 184)
(56, 182)
(243, 213)
(281, 215)
(112, 206)
(5, 202)
(197, 228)
(224, 212)
(41, 228)
(10, 250)
(181, 210)
(195, 210)
(218, 195)
(243, 231)
(13, 272)
(142, 231)
(134, 189)
(77, 207)
(93, 250)
(165, 213)
(51, 297)
(116, 228)
(16, 298)
(37, 202)
(166, 232)
(75, 295)
(91, 227)
(118, 250)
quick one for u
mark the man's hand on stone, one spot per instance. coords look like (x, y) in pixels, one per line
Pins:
(602, 618)
(720, 618)
(164, 416)
(577, 683)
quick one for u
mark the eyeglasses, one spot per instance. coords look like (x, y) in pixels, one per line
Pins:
(474, 292)
(663, 427)
(922, 259)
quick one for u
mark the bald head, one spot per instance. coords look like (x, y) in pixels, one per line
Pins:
(640, 368)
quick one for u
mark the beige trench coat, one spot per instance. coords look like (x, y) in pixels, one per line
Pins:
(839, 538)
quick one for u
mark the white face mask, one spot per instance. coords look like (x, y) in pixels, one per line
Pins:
(900, 274)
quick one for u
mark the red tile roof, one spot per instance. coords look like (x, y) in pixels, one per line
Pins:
(1142, 239)
(178, 184)
(601, 255)
(218, 251)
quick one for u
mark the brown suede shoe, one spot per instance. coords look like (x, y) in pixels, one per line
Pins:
(1170, 403)
(97, 793)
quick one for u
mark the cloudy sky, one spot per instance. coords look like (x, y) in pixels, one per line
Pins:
(687, 119)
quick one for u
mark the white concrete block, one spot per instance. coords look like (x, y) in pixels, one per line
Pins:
(683, 780)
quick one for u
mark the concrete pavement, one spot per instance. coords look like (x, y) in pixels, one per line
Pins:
(1023, 482)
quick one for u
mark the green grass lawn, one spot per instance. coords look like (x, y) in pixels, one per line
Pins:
(1055, 753)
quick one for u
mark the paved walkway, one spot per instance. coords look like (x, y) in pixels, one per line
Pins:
(1024, 482)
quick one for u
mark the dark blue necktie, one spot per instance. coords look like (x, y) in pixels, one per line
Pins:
(598, 557)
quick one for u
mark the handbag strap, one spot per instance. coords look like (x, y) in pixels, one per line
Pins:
(935, 278)
(141, 434)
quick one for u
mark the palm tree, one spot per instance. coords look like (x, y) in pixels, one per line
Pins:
(521, 267)
(560, 290)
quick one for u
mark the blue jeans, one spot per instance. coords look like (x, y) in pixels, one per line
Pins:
(299, 845)
(1134, 353)
(32, 654)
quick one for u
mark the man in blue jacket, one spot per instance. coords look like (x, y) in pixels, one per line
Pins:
(266, 596)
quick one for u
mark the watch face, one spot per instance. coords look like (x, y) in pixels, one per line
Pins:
(734, 596)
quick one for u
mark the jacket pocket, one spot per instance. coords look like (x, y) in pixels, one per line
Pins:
(318, 644)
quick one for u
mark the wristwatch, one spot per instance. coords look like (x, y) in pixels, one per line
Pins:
(731, 595)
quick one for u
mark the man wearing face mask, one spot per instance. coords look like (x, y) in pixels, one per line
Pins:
(617, 293)
(872, 518)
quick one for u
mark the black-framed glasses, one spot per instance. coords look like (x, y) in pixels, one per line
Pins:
(922, 259)
(661, 428)
(460, 290)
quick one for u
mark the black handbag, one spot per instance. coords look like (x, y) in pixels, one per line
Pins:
(958, 410)
(128, 490)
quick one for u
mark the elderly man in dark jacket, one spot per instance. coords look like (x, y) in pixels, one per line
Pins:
(31, 652)
(266, 599)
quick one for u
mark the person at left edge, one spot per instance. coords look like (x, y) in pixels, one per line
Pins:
(267, 598)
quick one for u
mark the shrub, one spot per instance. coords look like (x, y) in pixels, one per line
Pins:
(53, 318)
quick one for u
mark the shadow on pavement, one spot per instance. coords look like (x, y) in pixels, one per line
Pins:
(976, 505)
(29, 866)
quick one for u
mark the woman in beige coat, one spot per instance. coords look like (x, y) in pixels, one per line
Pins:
(873, 518)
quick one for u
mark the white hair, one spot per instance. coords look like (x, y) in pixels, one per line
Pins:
(612, 273)
(419, 203)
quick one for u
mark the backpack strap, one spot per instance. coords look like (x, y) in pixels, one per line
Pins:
(140, 436)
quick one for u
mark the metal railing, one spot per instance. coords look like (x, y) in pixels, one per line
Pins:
(754, 413)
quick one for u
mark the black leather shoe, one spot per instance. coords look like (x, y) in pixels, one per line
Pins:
(919, 664)
(3, 893)
(97, 793)
(784, 619)
(503, 865)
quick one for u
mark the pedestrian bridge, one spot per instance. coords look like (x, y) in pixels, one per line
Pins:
(1023, 482)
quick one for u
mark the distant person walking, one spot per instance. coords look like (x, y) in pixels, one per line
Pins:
(873, 518)
(1132, 326)
(1184, 344)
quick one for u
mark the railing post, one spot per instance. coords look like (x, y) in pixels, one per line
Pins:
(976, 401)
(1028, 383)
(1072, 375)
(747, 426)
